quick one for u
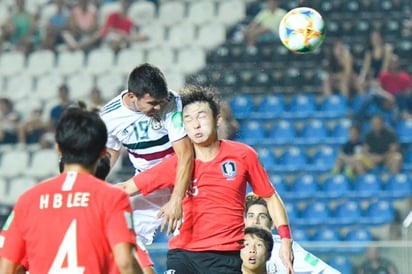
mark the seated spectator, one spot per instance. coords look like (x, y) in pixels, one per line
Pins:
(32, 130)
(339, 77)
(9, 122)
(58, 23)
(119, 31)
(348, 152)
(96, 100)
(21, 29)
(265, 25)
(257, 250)
(380, 148)
(376, 263)
(83, 24)
(228, 126)
(376, 57)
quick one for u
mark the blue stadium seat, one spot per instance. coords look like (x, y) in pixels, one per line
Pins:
(323, 159)
(336, 186)
(313, 132)
(280, 184)
(367, 186)
(251, 132)
(379, 213)
(293, 213)
(398, 186)
(283, 132)
(291, 160)
(359, 239)
(327, 238)
(241, 106)
(333, 106)
(404, 131)
(314, 214)
(346, 213)
(407, 162)
(267, 158)
(341, 263)
(304, 187)
(339, 133)
(300, 235)
(271, 106)
(302, 106)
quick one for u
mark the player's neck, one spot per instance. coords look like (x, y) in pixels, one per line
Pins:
(207, 153)
(76, 168)
(261, 270)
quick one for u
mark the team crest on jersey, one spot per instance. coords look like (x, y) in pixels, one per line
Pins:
(155, 123)
(229, 169)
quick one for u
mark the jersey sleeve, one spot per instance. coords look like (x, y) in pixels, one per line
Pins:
(160, 176)
(174, 122)
(119, 223)
(142, 254)
(112, 141)
(258, 178)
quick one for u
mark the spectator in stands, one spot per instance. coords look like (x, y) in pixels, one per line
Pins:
(257, 250)
(348, 153)
(228, 126)
(339, 77)
(375, 263)
(9, 121)
(32, 130)
(376, 57)
(119, 31)
(95, 99)
(83, 24)
(57, 23)
(21, 29)
(265, 25)
(380, 148)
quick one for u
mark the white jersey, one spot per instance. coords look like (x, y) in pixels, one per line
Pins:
(147, 140)
(304, 262)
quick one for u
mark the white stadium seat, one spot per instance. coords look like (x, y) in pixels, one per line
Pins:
(100, 60)
(40, 62)
(17, 187)
(111, 83)
(171, 13)
(14, 61)
(231, 11)
(47, 86)
(164, 58)
(210, 36)
(14, 163)
(127, 59)
(69, 62)
(191, 59)
(18, 86)
(142, 12)
(80, 85)
(38, 169)
(181, 35)
(201, 12)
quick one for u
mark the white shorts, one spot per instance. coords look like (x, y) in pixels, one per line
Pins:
(145, 210)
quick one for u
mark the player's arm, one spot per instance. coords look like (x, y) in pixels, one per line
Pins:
(278, 214)
(172, 210)
(114, 155)
(125, 261)
(7, 266)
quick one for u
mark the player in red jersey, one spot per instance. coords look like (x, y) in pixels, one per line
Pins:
(212, 231)
(64, 224)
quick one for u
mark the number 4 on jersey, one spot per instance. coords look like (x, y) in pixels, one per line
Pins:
(68, 247)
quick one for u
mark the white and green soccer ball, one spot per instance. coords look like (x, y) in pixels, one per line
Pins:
(302, 30)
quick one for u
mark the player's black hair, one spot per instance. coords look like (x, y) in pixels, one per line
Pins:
(81, 136)
(264, 235)
(196, 93)
(147, 78)
(252, 199)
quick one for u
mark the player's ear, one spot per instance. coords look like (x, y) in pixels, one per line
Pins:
(58, 150)
(218, 120)
(103, 153)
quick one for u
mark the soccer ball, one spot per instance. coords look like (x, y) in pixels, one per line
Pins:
(302, 30)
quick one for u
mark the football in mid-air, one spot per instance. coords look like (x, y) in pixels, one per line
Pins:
(302, 30)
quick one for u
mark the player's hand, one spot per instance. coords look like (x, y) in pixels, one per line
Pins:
(286, 254)
(172, 213)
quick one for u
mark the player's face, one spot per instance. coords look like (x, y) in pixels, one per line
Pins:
(148, 104)
(199, 123)
(257, 215)
(254, 253)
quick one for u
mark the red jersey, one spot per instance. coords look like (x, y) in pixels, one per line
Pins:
(213, 208)
(395, 83)
(69, 224)
(117, 22)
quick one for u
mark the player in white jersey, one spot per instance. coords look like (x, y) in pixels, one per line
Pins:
(146, 119)
(257, 214)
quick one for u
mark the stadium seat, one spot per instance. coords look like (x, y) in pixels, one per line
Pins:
(314, 214)
(323, 159)
(280, 183)
(302, 106)
(100, 60)
(156, 34)
(110, 84)
(201, 12)
(252, 132)
(69, 62)
(18, 186)
(242, 106)
(346, 213)
(336, 186)
(404, 131)
(106, 9)
(38, 169)
(282, 133)
(231, 12)
(18, 87)
(326, 239)
(291, 160)
(303, 187)
(80, 85)
(229, 79)
(293, 213)
(128, 59)
(5, 211)
(398, 186)
(367, 186)
(378, 213)
(14, 61)
(341, 263)
(190, 60)
(359, 239)
(300, 235)
(271, 106)
(14, 163)
(40, 62)
(142, 12)
(339, 133)
(333, 106)
(175, 79)
(267, 158)
(163, 57)
(210, 36)
(171, 13)
(314, 131)
(47, 86)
